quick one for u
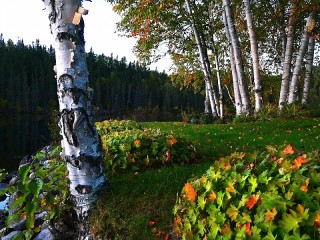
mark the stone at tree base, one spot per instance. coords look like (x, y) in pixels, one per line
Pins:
(45, 234)
(11, 235)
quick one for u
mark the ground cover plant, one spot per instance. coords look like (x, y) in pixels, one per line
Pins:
(139, 206)
(270, 195)
(39, 194)
(141, 197)
(128, 146)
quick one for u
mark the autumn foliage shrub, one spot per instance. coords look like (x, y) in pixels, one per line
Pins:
(271, 195)
(127, 146)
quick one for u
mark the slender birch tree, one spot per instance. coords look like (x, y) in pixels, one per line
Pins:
(284, 91)
(255, 57)
(307, 78)
(243, 88)
(293, 90)
(236, 92)
(81, 147)
(204, 64)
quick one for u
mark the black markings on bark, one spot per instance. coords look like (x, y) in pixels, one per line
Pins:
(67, 36)
(74, 161)
(68, 120)
(83, 189)
(53, 13)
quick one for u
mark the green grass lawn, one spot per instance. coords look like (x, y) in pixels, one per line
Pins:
(139, 205)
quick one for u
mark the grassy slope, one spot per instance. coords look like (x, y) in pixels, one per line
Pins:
(136, 201)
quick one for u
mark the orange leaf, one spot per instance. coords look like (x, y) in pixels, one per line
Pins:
(248, 228)
(137, 142)
(230, 188)
(227, 166)
(253, 199)
(317, 220)
(304, 187)
(23, 215)
(298, 162)
(190, 192)
(300, 209)
(270, 215)
(288, 150)
(172, 141)
(212, 196)
(226, 229)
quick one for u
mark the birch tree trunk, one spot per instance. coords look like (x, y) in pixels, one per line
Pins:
(307, 79)
(206, 72)
(236, 92)
(293, 91)
(287, 59)
(219, 86)
(255, 58)
(81, 146)
(207, 103)
(243, 88)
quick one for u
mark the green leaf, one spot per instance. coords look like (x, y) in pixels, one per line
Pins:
(41, 172)
(18, 237)
(232, 212)
(270, 236)
(255, 233)
(201, 201)
(220, 196)
(296, 236)
(28, 234)
(35, 186)
(289, 222)
(55, 150)
(263, 177)
(30, 210)
(253, 181)
(23, 172)
(201, 227)
(39, 155)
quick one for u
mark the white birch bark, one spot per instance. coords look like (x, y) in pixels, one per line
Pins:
(243, 88)
(207, 103)
(307, 79)
(207, 74)
(80, 143)
(255, 58)
(221, 111)
(287, 60)
(293, 90)
(236, 91)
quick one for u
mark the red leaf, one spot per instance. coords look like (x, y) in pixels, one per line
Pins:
(253, 199)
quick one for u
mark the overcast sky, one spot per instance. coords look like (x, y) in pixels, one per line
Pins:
(27, 20)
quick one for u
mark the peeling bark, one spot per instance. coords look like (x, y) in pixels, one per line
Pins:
(81, 147)
(236, 91)
(293, 91)
(255, 58)
(243, 88)
(307, 79)
(207, 73)
(287, 59)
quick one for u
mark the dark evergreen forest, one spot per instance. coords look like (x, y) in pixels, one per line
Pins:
(27, 84)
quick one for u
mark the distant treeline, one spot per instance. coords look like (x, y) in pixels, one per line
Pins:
(27, 83)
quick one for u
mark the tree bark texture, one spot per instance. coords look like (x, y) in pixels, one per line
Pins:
(207, 73)
(255, 58)
(81, 146)
(236, 91)
(309, 64)
(287, 59)
(293, 90)
(243, 88)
